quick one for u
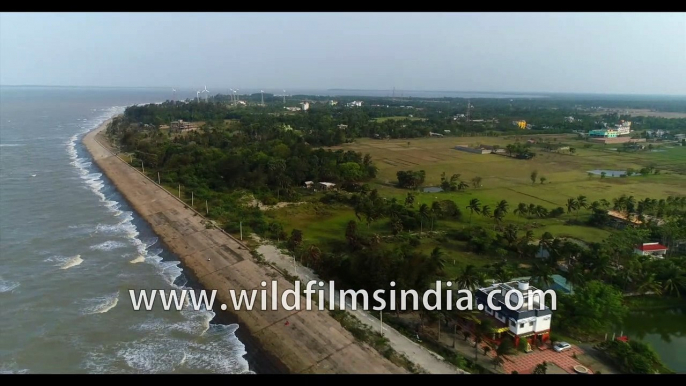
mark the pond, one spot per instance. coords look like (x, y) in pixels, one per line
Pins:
(432, 189)
(664, 330)
(608, 173)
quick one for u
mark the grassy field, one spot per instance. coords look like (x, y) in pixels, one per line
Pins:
(398, 118)
(503, 178)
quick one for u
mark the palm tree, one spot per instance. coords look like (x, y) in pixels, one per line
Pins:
(673, 283)
(474, 206)
(581, 202)
(541, 274)
(541, 211)
(605, 204)
(521, 209)
(435, 212)
(595, 206)
(498, 216)
(409, 200)
(649, 284)
(462, 185)
(572, 205)
(437, 258)
(424, 213)
(486, 211)
(502, 206)
(470, 278)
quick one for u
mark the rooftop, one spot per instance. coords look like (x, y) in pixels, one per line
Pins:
(647, 247)
(503, 288)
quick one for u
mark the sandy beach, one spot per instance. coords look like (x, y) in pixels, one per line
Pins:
(311, 342)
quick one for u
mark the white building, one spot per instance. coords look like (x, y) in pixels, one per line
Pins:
(530, 321)
(354, 104)
(655, 250)
(623, 128)
(306, 106)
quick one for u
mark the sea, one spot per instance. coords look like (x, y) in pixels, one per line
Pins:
(71, 248)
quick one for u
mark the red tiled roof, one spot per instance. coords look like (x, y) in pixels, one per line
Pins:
(651, 247)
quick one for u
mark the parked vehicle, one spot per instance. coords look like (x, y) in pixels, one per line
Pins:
(561, 346)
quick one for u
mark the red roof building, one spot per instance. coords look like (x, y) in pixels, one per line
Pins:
(651, 249)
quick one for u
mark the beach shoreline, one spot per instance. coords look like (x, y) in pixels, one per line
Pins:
(311, 341)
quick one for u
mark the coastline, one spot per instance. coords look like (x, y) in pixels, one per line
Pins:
(312, 342)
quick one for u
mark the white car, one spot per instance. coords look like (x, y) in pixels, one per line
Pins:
(561, 346)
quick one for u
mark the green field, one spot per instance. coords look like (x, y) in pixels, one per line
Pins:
(503, 178)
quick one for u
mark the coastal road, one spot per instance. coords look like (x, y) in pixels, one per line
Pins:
(427, 360)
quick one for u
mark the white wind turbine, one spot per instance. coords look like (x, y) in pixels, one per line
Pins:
(173, 95)
(197, 95)
(231, 92)
(206, 91)
(262, 92)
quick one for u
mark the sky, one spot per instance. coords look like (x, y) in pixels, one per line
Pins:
(608, 53)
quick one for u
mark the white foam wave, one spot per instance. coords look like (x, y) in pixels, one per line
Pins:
(214, 348)
(72, 262)
(137, 260)
(103, 304)
(108, 245)
(7, 285)
(11, 144)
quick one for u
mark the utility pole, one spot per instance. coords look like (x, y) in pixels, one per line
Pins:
(207, 208)
(381, 319)
(240, 225)
(179, 190)
(191, 199)
(158, 179)
(142, 167)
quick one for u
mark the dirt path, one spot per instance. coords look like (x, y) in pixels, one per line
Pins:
(420, 356)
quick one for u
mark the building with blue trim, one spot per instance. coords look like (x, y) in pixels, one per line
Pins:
(530, 321)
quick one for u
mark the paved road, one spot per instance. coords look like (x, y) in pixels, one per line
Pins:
(427, 360)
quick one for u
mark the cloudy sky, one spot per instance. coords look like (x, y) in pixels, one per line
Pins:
(630, 53)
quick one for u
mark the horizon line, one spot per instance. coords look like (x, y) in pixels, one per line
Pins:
(367, 90)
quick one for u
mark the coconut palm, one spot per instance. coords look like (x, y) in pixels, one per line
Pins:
(486, 211)
(474, 206)
(409, 200)
(572, 205)
(435, 212)
(470, 278)
(462, 185)
(498, 216)
(424, 213)
(502, 206)
(437, 258)
(521, 209)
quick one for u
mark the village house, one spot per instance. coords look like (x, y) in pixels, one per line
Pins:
(656, 250)
(326, 186)
(530, 322)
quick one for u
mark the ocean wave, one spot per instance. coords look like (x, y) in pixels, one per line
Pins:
(137, 260)
(11, 144)
(101, 305)
(72, 262)
(204, 346)
(108, 245)
(7, 285)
